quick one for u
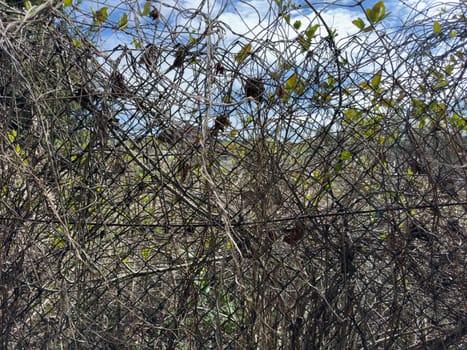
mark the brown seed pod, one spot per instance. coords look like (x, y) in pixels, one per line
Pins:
(254, 87)
(149, 56)
(295, 234)
(220, 68)
(221, 122)
(155, 14)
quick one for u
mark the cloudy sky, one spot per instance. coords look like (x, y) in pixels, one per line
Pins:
(247, 17)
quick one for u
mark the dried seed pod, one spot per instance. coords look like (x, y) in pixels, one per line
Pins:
(155, 14)
(221, 122)
(118, 83)
(149, 56)
(295, 234)
(254, 87)
(220, 68)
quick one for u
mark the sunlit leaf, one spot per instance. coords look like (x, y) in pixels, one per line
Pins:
(311, 31)
(12, 135)
(146, 253)
(345, 155)
(452, 34)
(291, 82)
(377, 12)
(146, 8)
(359, 23)
(27, 5)
(233, 133)
(243, 54)
(437, 27)
(137, 44)
(376, 79)
(101, 15)
(67, 3)
(123, 21)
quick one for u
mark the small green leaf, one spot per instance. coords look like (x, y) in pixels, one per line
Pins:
(101, 15)
(345, 155)
(437, 27)
(291, 82)
(12, 135)
(359, 23)
(233, 133)
(123, 21)
(305, 43)
(376, 79)
(67, 3)
(146, 253)
(146, 8)
(136, 44)
(377, 13)
(297, 24)
(449, 69)
(452, 34)
(383, 236)
(243, 54)
(27, 5)
(311, 31)
(76, 43)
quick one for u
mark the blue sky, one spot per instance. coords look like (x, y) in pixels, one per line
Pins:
(242, 21)
(248, 16)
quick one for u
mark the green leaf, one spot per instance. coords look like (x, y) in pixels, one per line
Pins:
(67, 3)
(377, 13)
(12, 135)
(123, 21)
(146, 253)
(27, 5)
(345, 155)
(305, 43)
(311, 31)
(243, 54)
(452, 34)
(376, 79)
(437, 27)
(297, 24)
(359, 23)
(137, 44)
(291, 82)
(351, 113)
(101, 15)
(146, 8)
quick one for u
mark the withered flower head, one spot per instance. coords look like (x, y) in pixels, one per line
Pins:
(254, 87)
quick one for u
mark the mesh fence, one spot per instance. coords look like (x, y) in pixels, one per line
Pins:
(169, 181)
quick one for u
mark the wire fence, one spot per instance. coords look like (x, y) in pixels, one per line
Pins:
(169, 181)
